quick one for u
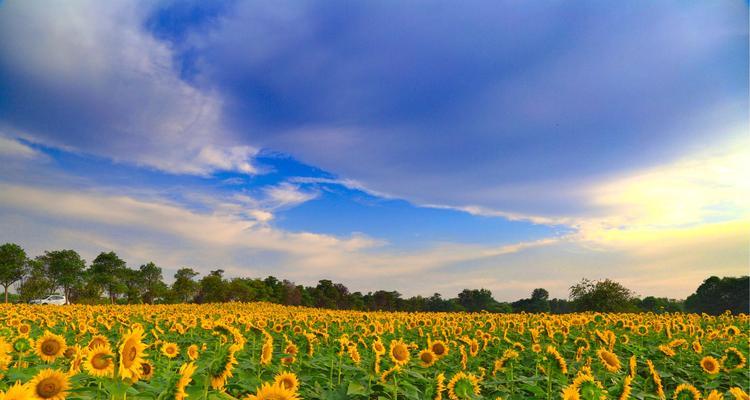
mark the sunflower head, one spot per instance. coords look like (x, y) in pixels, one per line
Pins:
(192, 352)
(49, 384)
(273, 392)
(463, 386)
(50, 346)
(686, 391)
(131, 354)
(439, 348)
(710, 365)
(147, 371)
(100, 361)
(17, 392)
(171, 350)
(733, 359)
(427, 358)
(609, 359)
(287, 380)
(98, 340)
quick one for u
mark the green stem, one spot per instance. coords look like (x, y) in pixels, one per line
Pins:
(395, 385)
(549, 380)
(340, 361)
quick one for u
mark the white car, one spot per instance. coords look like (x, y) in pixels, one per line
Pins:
(52, 299)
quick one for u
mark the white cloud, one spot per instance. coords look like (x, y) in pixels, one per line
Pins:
(101, 84)
(14, 149)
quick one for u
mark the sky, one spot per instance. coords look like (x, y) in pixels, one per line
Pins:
(419, 146)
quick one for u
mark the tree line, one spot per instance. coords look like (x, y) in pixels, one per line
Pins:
(108, 279)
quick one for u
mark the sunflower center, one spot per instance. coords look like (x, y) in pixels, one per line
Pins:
(100, 361)
(146, 369)
(50, 347)
(438, 348)
(426, 358)
(47, 388)
(287, 383)
(400, 353)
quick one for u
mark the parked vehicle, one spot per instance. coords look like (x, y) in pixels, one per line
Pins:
(55, 299)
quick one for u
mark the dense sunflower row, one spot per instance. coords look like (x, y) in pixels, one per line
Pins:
(265, 351)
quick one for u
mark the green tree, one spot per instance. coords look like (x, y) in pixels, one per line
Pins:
(107, 271)
(538, 303)
(184, 286)
(12, 265)
(716, 295)
(213, 288)
(604, 296)
(37, 282)
(65, 268)
(153, 283)
(475, 300)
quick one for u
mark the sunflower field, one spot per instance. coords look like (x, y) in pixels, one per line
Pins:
(266, 351)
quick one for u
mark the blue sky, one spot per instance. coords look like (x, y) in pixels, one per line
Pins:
(417, 146)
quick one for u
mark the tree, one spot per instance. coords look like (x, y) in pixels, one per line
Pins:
(37, 282)
(538, 303)
(292, 294)
(108, 270)
(717, 295)
(65, 268)
(604, 296)
(213, 288)
(475, 300)
(12, 265)
(659, 305)
(184, 287)
(153, 282)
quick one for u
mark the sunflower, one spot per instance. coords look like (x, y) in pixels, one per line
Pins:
(131, 355)
(609, 359)
(23, 329)
(710, 365)
(171, 350)
(738, 394)
(686, 391)
(6, 356)
(147, 371)
(399, 352)
(266, 352)
(697, 347)
(439, 386)
(273, 392)
(220, 376)
(633, 366)
(192, 352)
(588, 387)
(17, 392)
(100, 361)
(50, 346)
(98, 340)
(463, 386)
(626, 388)
(733, 360)
(552, 351)
(49, 384)
(427, 358)
(186, 376)
(656, 378)
(571, 393)
(439, 348)
(714, 395)
(378, 347)
(287, 380)
(79, 354)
